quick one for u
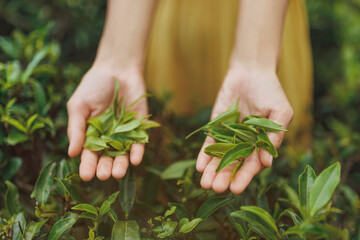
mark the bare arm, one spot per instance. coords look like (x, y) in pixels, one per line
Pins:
(120, 54)
(252, 79)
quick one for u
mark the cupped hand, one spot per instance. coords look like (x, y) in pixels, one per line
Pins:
(91, 98)
(258, 92)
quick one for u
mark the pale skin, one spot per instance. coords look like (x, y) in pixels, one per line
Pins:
(251, 78)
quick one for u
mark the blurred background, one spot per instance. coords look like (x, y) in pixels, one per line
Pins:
(47, 45)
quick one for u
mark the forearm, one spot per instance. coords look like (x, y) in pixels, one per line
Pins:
(127, 26)
(258, 34)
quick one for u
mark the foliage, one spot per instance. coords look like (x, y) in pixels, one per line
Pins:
(45, 48)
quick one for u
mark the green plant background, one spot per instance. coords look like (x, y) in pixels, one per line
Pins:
(46, 47)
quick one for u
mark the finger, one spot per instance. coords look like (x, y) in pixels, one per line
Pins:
(245, 174)
(120, 166)
(137, 153)
(209, 174)
(88, 164)
(203, 159)
(103, 171)
(283, 118)
(78, 114)
(223, 178)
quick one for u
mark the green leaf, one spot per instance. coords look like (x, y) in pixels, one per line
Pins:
(232, 113)
(13, 71)
(13, 122)
(180, 210)
(168, 228)
(40, 98)
(43, 184)
(256, 223)
(61, 227)
(177, 169)
(129, 126)
(241, 150)
(244, 132)
(12, 198)
(16, 138)
(113, 153)
(296, 219)
(70, 190)
(116, 96)
(88, 216)
(211, 205)
(265, 143)
(262, 231)
(323, 188)
(85, 207)
(218, 149)
(96, 123)
(17, 232)
(31, 120)
(112, 214)
(127, 193)
(189, 226)
(306, 180)
(261, 213)
(11, 168)
(263, 123)
(40, 55)
(105, 207)
(125, 230)
(149, 124)
(33, 228)
(95, 144)
(292, 196)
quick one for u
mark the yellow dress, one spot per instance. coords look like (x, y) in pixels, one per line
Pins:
(189, 50)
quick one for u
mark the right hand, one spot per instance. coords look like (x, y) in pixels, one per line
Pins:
(91, 98)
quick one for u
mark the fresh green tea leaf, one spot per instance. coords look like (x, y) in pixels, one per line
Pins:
(323, 188)
(125, 230)
(33, 228)
(61, 227)
(241, 150)
(264, 123)
(306, 180)
(95, 143)
(85, 207)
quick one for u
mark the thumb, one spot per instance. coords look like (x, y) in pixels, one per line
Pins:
(78, 113)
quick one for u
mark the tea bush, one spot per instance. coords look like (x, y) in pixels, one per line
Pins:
(42, 59)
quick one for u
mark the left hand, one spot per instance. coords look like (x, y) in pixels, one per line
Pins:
(260, 93)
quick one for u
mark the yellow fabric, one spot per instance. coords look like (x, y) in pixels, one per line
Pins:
(189, 51)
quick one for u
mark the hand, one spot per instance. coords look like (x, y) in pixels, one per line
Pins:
(259, 93)
(91, 98)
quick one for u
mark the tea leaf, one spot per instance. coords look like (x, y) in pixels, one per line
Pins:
(127, 193)
(264, 123)
(306, 180)
(15, 123)
(189, 226)
(105, 207)
(95, 143)
(85, 207)
(88, 215)
(125, 230)
(61, 227)
(149, 124)
(20, 221)
(42, 186)
(113, 153)
(265, 143)
(129, 126)
(241, 150)
(218, 149)
(168, 228)
(232, 113)
(12, 198)
(323, 188)
(33, 228)
(177, 169)
(242, 132)
(211, 205)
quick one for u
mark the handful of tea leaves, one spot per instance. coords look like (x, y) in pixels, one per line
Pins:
(113, 132)
(236, 141)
